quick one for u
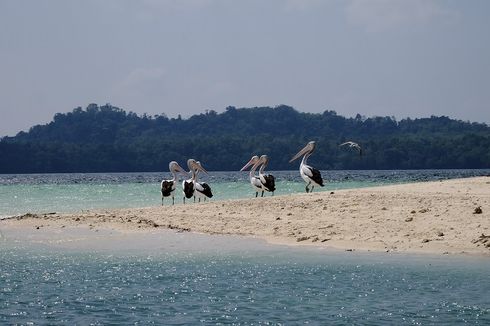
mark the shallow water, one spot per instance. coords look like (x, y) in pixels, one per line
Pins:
(170, 279)
(44, 193)
(241, 286)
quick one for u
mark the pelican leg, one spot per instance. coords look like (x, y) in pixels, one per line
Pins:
(199, 200)
(183, 199)
(194, 198)
(262, 194)
(307, 189)
(162, 200)
(256, 194)
(173, 200)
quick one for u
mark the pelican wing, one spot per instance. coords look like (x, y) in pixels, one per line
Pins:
(268, 182)
(307, 170)
(188, 188)
(256, 182)
(316, 176)
(350, 143)
(167, 187)
(198, 186)
(206, 190)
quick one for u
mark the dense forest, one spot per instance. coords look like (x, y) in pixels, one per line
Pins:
(108, 139)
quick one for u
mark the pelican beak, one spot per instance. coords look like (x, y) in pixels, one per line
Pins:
(200, 168)
(305, 150)
(252, 161)
(182, 171)
(246, 165)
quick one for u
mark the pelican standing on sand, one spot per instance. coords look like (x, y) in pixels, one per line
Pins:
(311, 175)
(188, 185)
(202, 189)
(351, 144)
(254, 180)
(262, 182)
(268, 181)
(167, 187)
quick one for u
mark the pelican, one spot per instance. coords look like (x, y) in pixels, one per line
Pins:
(267, 180)
(311, 175)
(254, 180)
(188, 185)
(202, 189)
(351, 144)
(168, 186)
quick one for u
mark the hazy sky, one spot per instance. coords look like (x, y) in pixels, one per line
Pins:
(378, 57)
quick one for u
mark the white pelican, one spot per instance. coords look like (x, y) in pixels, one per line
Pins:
(351, 144)
(311, 175)
(188, 185)
(202, 189)
(167, 187)
(254, 180)
(267, 180)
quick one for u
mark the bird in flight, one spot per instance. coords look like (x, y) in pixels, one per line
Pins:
(354, 145)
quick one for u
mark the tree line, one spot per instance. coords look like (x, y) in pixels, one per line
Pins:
(108, 139)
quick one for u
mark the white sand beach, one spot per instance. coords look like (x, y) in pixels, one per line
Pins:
(451, 216)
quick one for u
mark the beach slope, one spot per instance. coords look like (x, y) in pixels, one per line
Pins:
(451, 216)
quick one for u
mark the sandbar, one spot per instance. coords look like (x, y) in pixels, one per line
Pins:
(442, 217)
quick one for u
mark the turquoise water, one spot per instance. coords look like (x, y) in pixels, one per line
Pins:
(44, 193)
(188, 279)
(268, 287)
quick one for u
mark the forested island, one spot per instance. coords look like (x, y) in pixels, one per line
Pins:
(109, 139)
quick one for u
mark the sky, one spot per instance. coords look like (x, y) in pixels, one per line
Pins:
(401, 58)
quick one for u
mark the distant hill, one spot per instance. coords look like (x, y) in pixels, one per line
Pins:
(108, 139)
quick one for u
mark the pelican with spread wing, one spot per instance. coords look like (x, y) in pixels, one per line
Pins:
(354, 145)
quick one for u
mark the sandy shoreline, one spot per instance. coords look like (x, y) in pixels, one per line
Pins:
(429, 217)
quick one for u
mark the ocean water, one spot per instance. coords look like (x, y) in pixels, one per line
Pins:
(270, 286)
(190, 279)
(44, 193)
